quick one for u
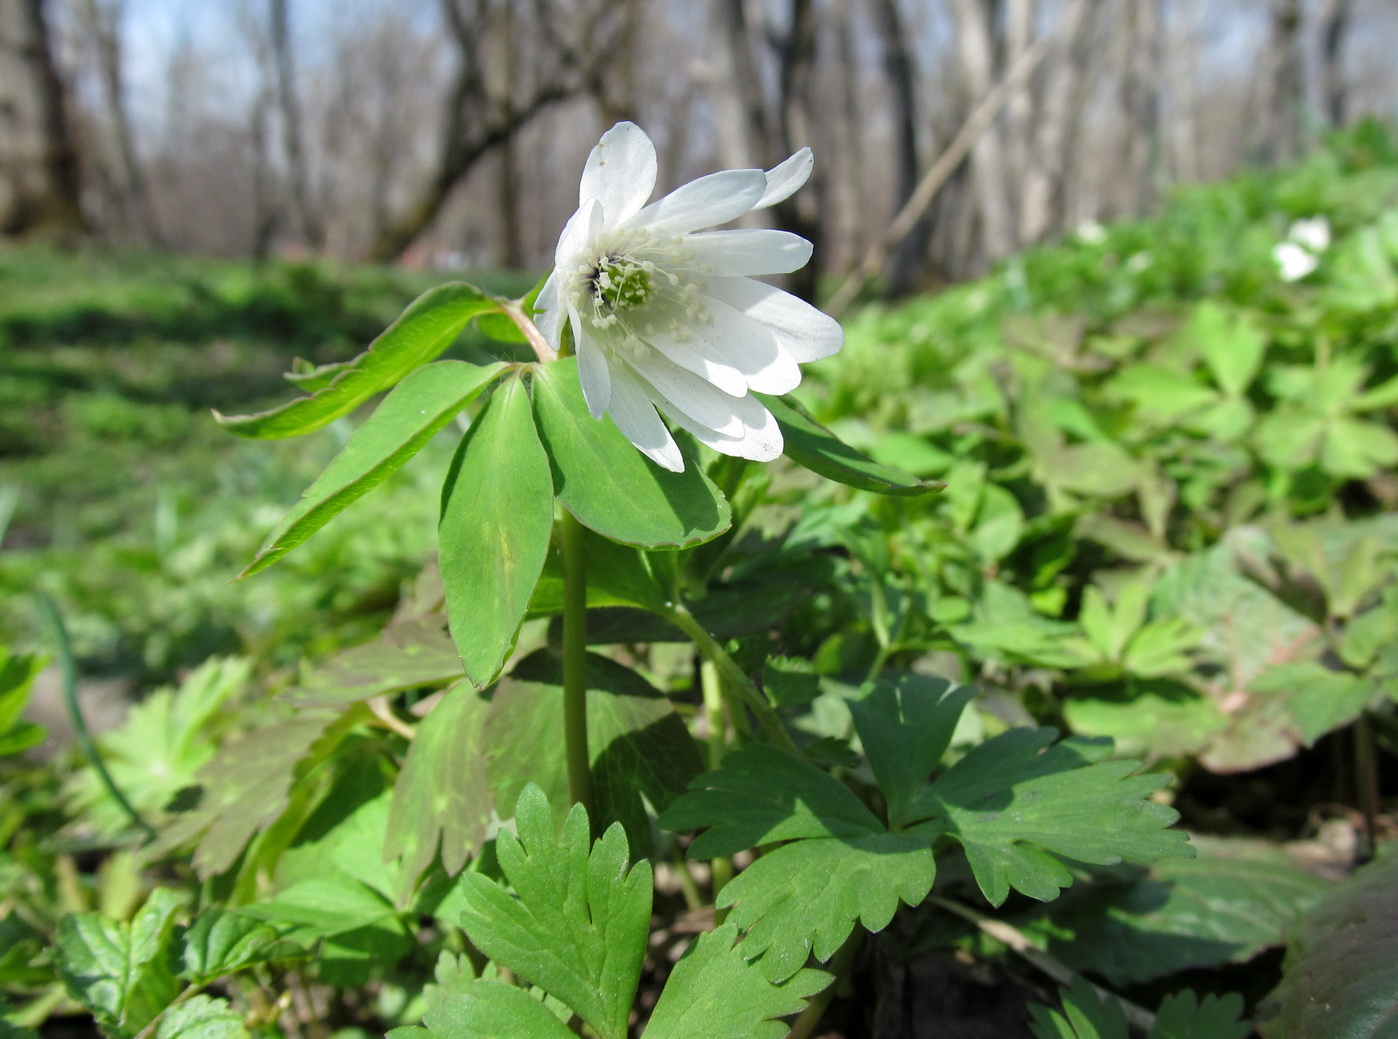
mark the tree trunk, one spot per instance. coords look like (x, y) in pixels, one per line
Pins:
(905, 267)
(1282, 107)
(1334, 23)
(293, 136)
(38, 161)
(975, 36)
(1048, 131)
(133, 201)
(1140, 102)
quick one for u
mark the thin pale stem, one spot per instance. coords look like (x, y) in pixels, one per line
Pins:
(515, 312)
(732, 675)
(575, 665)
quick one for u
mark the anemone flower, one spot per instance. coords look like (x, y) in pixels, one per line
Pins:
(666, 316)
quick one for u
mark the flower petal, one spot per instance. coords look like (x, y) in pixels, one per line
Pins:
(581, 228)
(548, 315)
(749, 346)
(801, 330)
(636, 417)
(760, 438)
(698, 398)
(620, 172)
(593, 373)
(690, 353)
(715, 199)
(743, 252)
(783, 180)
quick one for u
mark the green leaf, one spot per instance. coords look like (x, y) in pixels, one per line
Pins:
(1184, 1016)
(1231, 344)
(577, 923)
(1340, 978)
(201, 1017)
(1319, 699)
(1087, 1014)
(1014, 803)
(219, 943)
(408, 655)
(714, 993)
(489, 1010)
(811, 445)
(905, 727)
(441, 796)
(1235, 899)
(639, 747)
(805, 896)
(427, 327)
(17, 674)
(764, 794)
(418, 408)
(611, 487)
(122, 972)
(497, 514)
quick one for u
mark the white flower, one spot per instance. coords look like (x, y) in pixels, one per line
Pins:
(1313, 234)
(1091, 232)
(664, 317)
(1295, 262)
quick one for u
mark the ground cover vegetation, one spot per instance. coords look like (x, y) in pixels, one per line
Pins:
(1045, 687)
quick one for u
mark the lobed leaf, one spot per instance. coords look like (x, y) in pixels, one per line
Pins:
(1014, 803)
(415, 411)
(805, 896)
(497, 515)
(611, 487)
(1087, 1014)
(905, 727)
(219, 943)
(122, 972)
(576, 925)
(201, 1017)
(488, 1010)
(441, 797)
(1185, 1016)
(764, 794)
(427, 327)
(715, 993)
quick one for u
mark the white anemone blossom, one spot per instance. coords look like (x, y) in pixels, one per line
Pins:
(666, 316)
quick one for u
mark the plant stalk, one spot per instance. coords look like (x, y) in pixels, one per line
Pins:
(75, 715)
(730, 673)
(575, 665)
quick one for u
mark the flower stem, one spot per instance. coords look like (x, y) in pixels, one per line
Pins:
(575, 665)
(732, 675)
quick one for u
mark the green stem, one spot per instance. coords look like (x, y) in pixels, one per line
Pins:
(575, 665)
(75, 714)
(732, 674)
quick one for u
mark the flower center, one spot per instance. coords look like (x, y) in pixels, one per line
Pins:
(619, 282)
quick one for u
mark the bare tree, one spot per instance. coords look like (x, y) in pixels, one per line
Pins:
(124, 177)
(906, 263)
(1280, 127)
(975, 26)
(38, 161)
(1333, 26)
(777, 120)
(485, 109)
(293, 133)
